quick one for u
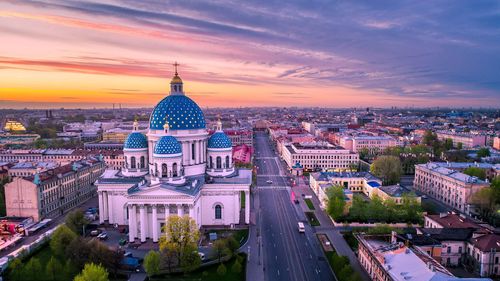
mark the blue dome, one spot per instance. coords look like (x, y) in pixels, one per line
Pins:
(183, 114)
(219, 140)
(168, 145)
(136, 140)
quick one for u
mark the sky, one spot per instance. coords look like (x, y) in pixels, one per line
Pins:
(84, 54)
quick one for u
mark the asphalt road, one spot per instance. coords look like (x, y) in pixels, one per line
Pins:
(287, 254)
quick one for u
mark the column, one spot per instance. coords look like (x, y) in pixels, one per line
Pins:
(185, 153)
(142, 213)
(101, 207)
(180, 210)
(200, 152)
(191, 211)
(155, 224)
(132, 223)
(167, 212)
(247, 207)
(105, 203)
(111, 218)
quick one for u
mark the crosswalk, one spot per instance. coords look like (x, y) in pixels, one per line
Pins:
(268, 175)
(273, 187)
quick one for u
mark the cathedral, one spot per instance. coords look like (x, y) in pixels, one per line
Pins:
(175, 169)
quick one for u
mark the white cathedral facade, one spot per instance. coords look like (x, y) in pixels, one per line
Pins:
(175, 169)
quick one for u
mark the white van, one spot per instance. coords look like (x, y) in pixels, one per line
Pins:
(302, 229)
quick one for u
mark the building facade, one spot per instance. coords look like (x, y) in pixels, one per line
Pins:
(53, 192)
(319, 157)
(175, 169)
(448, 186)
(466, 139)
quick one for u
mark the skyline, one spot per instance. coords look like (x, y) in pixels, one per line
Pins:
(90, 54)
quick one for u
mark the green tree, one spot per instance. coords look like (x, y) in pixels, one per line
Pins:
(220, 248)
(338, 262)
(152, 263)
(345, 273)
(221, 270)
(232, 245)
(169, 254)
(336, 202)
(190, 260)
(53, 269)
(61, 239)
(363, 153)
(460, 145)
(92, 272)
(16, 270)
(76, 221)
(181, 236)
(448, 144)
(475, 172)
(388, 168)
(236, 268)
(32, 269)
(483, 152)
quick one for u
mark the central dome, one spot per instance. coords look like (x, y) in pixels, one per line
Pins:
(183, 114)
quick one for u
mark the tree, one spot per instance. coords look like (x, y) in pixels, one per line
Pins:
(181, 236)
(483, 152)
(345, 273)
(16, 270)
(92, 272)
(53, 268)
(190, 260)
(485, 200)
(460, 145)
(79, 252)
(220, 248)
(169, 254)
(152, 263)
(236, 268)
(388, 168)
(448, 144)
(32, 269)
(475, 172)
(232, 245)
(221, 270)
(336, 202)
(363, 153)
(61, 239)
(76, 221)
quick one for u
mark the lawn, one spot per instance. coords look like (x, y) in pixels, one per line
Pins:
(312, 219)
(241, 236)
(309, 204)
(209, 273)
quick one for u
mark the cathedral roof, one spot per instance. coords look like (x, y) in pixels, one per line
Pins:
(168, 145)
(182, 113)
(135, 140)
(219, 140)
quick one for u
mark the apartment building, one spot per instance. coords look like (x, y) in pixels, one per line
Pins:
(53, 192)
(449, 186)
(319, 156)
(386, 259)
(467, 140)
(373, 144)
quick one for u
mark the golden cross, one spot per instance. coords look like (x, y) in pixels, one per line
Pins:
(175, 66)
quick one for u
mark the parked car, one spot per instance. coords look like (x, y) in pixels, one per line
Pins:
(103, 236)
(95, 232)
(269, 181)
(202, 256)
(127, 254)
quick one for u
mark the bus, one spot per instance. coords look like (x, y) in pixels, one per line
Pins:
(302, 229)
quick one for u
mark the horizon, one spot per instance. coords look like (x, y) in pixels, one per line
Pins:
(270, 54)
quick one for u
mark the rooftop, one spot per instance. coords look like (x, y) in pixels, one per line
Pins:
(451, 220)
(438, 168)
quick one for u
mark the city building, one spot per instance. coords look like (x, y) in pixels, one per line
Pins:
(319, 156)
(448, 186)
(386, 259)
(467, 140)
(14, 126)
(53, 192)
(496, 143)
(373, 144)
(175, 169)
(355, 182)
(242, 154)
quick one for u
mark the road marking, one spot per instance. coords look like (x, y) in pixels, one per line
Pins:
(278, 272)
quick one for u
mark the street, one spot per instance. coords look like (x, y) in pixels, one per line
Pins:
(286, 253)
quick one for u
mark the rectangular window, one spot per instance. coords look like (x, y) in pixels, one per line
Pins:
(192, 151)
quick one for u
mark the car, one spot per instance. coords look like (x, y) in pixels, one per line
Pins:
(103, 236)
(424, 197)
(269, 181)
(95, 232)
(202, 256)
(127, 254)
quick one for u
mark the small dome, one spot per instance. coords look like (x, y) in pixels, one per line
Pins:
(176, 80)
(219, 140)
(135, 140)
(168, 145)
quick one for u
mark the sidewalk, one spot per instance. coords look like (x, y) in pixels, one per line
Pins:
(255, 262)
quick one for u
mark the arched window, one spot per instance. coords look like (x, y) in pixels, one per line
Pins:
(143, 162)
(174, 170)
(219, 162)
(227, 162)
(218, 212)
(132, 162)
(164, 170)
(211, 163)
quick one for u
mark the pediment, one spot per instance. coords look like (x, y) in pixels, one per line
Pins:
(158, 191)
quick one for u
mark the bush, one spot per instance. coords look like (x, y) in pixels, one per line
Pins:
(236, 268)
(221, 270)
